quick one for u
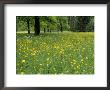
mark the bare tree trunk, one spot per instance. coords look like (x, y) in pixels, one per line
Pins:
(37, 25)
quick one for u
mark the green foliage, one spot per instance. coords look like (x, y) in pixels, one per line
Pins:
(55, 53)
(90, 26)
(21, 23)
(57, 23)
(84, 24)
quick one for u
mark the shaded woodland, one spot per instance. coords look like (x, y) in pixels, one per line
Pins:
(55, 24)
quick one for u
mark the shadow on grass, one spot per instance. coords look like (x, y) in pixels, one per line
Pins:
(33, 35)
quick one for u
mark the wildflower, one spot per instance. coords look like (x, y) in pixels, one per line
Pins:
(23, 61)
(22, 72)
(47, 64)
(71, 62)
(40, 64)
(54, 69)
(84, 70)
(33, 53)
(86, 57)
(61, 51)
(86, 64)
(78, 67)
(82, 60)
(48, 53)
(74, 60)
(69, 45)
(83, 48)
(47, 59)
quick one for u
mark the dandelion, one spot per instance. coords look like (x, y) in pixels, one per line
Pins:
(33, 54)
(82, 60)
(61, 52)
(83, 48)
(48, 53)
(47, 59)
(86, 64)
(86, 57)
(74, 60)
(54, 69)
(23, 61)
(47, 64)
(84, 70)
(77, 66)
(57, 47)
(40, 64)
(71, 62)
(22, 72)
(69, 45)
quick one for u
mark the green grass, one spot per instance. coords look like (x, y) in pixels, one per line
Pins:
(55, 53)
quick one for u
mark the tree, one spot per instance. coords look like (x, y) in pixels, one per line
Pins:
(82, 22)
(71, 22)
(59, 23)
(37, 25)
(90, 25)
(24, 19)
(28, 25)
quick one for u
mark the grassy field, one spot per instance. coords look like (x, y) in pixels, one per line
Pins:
(55, 53)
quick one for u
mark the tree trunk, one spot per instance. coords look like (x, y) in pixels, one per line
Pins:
(44, 30)
(72, 23)
(61, 27)
(50, 31)
(28, 26)
(37, 25)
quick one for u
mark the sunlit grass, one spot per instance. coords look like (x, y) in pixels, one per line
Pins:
(55, 53)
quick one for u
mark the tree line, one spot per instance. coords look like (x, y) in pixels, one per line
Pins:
(55, 23)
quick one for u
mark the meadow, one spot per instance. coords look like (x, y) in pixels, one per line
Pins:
(55, 53)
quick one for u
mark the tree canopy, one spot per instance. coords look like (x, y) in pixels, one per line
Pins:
(55, 23)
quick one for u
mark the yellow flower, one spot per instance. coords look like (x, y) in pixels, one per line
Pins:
(61, 51)
(22, 72)
(74, 60)
(78, 66)
(47, 59)
(69, 45)
(82, 60)
(83, 48)
(74, 63)
(86, 64)
(48, 53)
(33, 53)
(54, 69)
(71, 62)
(84, 70)
(86, 57)
(23, 61)
(40, 64)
